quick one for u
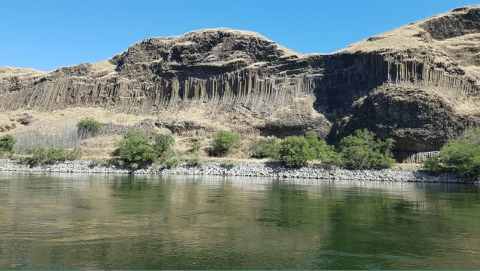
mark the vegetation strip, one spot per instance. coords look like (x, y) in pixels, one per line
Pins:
(148, 152)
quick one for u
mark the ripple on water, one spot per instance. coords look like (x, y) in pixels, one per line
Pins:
(329, 253)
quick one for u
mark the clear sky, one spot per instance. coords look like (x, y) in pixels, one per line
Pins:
(47, 34)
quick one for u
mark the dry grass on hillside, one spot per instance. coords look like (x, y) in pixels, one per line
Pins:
(64, 135)
(52, 131)
(399, 39)
(19, 72)
(73, 115)
(405, 37)
(103, 69)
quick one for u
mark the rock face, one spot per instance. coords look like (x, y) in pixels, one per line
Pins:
(417, 83)
(419, 121)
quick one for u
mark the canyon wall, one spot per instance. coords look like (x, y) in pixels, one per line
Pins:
(417, 83)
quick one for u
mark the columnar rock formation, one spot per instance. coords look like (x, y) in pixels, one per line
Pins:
(400, 84)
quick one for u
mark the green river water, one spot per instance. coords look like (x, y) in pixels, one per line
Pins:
(73, 221)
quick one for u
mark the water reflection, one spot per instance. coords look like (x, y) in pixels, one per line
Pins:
(73, 221)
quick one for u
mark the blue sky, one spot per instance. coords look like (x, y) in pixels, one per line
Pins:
(45, 35)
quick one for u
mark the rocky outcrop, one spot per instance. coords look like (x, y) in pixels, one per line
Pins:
(7, 127)
(25, 118)
(119, 129)
(419, 121)
(459, 22)
(226, 79)
(414, 157)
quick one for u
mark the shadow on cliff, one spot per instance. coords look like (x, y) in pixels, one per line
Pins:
(345, 78)
(418, 120)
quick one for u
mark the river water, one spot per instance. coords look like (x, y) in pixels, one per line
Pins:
(74, 221)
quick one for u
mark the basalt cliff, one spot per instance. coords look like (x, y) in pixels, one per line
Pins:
(418, 84)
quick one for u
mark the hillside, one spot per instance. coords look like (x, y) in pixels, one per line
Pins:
(418, 84)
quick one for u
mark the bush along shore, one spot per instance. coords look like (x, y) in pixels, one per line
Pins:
(360, 156)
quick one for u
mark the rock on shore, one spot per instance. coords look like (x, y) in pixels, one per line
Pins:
(253, 169)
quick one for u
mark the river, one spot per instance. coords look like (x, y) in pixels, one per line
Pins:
(79, 221)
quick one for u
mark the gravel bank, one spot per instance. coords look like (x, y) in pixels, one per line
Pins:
(268, 169)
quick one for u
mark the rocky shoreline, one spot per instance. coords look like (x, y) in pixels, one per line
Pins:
(252, 169)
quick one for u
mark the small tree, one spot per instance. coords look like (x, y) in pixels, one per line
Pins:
(364, 150)
(460, 155)
(171, 158)
(39, 154)
(322, 151)
(162, 143)
(195, 145)
(295, 151)
(6, 143)
(195, 161)
(54, 155)
(267, 148)
(225, 142)
(135, 149)
(89, 126)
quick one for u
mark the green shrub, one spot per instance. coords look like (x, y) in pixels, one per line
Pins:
(139, 148)
(50, 156)
(295, 151)
(140, 134)
(364, 150)
(195, 161)
(90, 126)
(53, 155)
(162, 143)
(135, 150)
(227, 164)
(267, 148)
(6, 143)
(322, 151)
(224, 142)
(171, 159)
(460, 156)
(38, 156)
(195, 145)
(433, 164)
